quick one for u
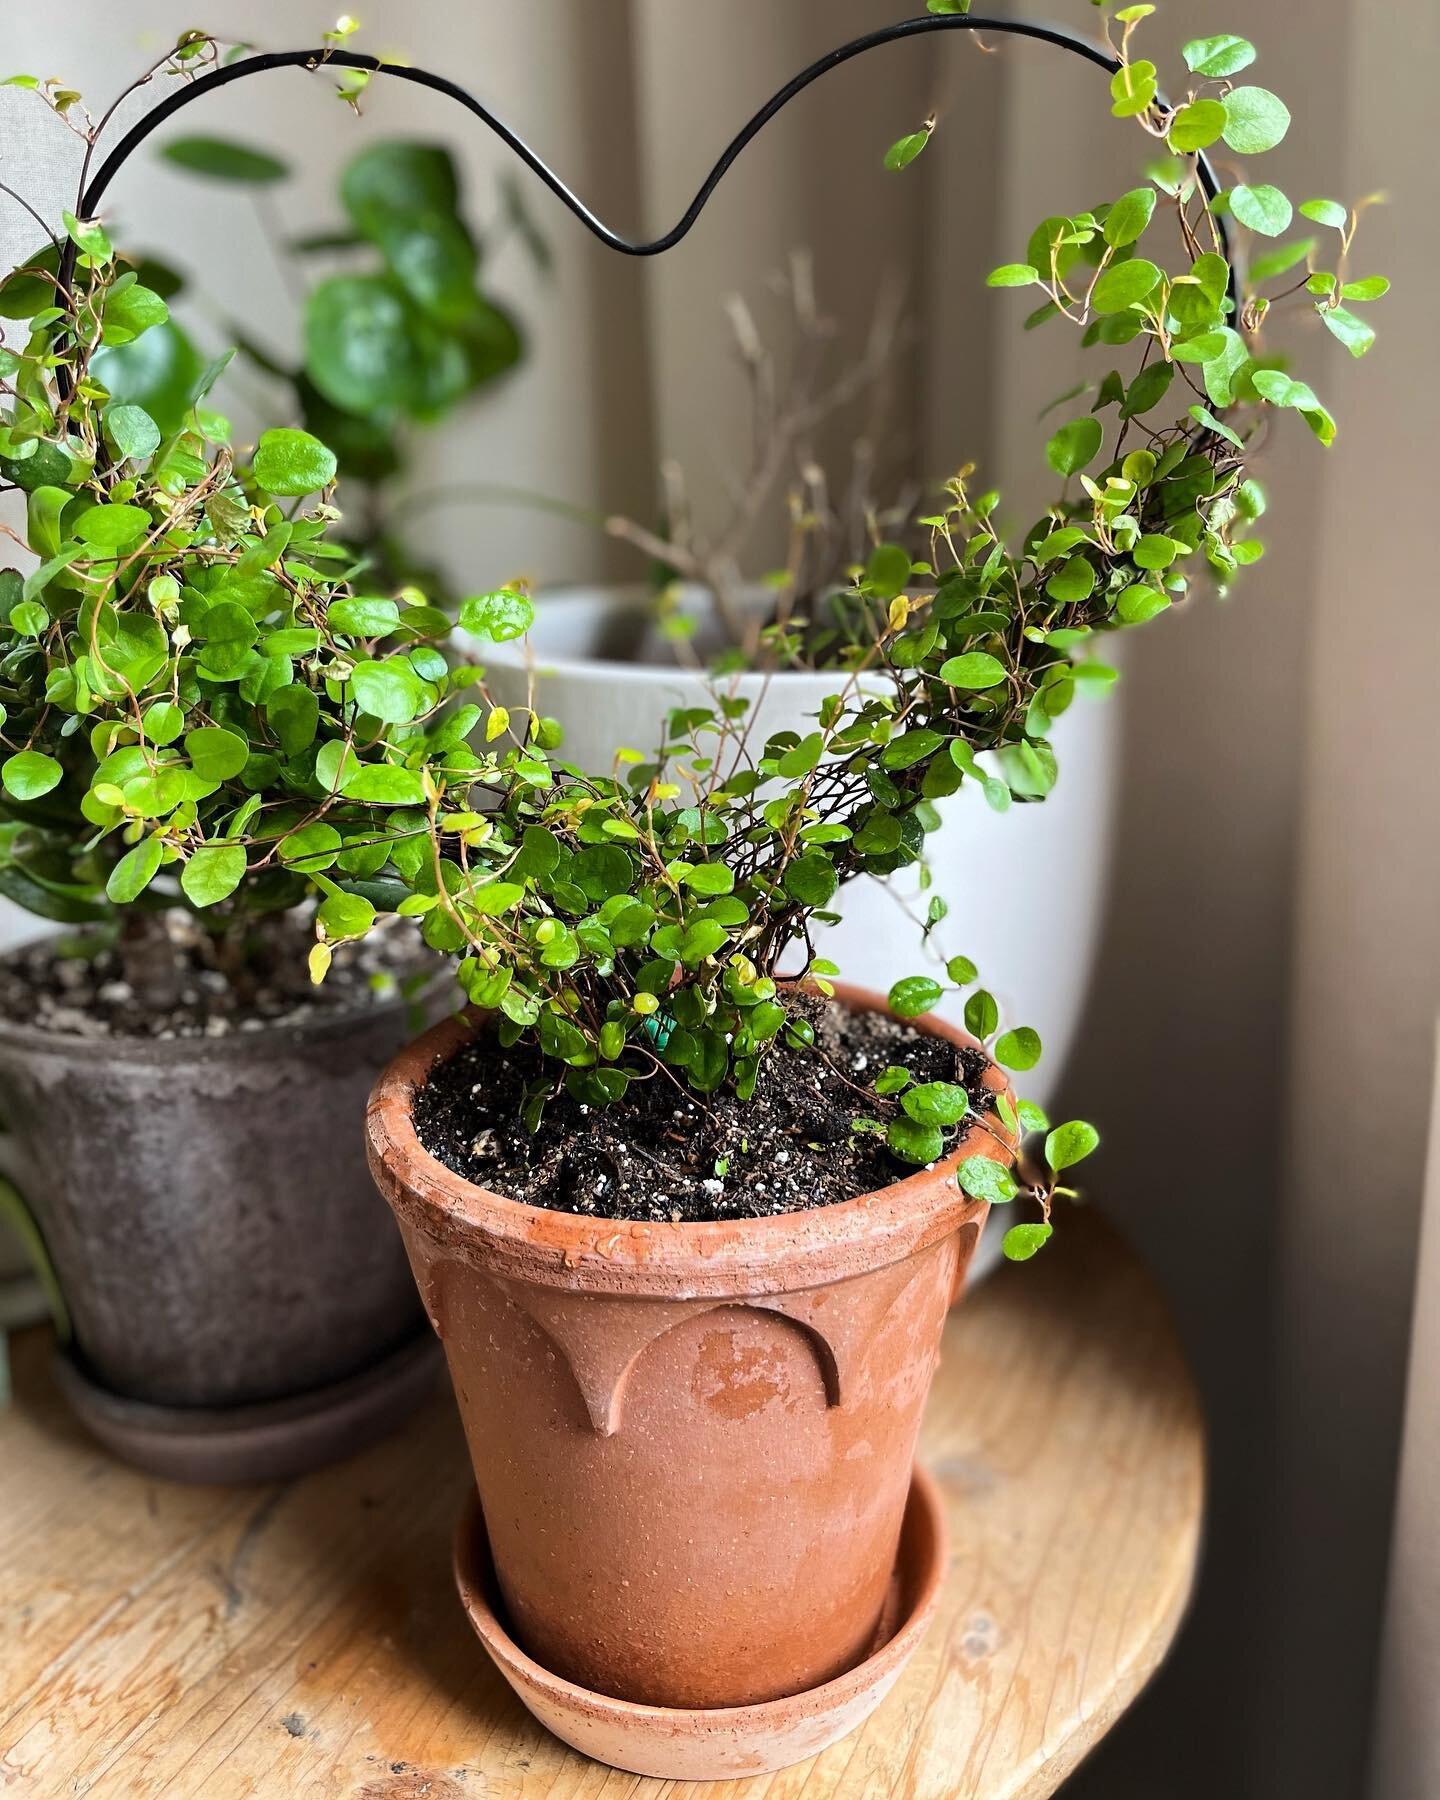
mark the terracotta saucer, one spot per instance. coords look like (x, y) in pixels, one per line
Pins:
(270, 1441)
(718, 1743)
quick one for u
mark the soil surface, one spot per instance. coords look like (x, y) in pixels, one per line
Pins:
(76, 985)
(665, 1153)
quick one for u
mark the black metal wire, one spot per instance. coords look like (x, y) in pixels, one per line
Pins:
(441, 84)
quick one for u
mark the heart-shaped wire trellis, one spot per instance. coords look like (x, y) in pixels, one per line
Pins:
(94, 189)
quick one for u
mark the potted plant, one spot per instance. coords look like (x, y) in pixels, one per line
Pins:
(209, 720)
(689, 1352)
(688, 1231)
(412, 262)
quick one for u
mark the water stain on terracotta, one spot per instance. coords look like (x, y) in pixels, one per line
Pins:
(736, 1379)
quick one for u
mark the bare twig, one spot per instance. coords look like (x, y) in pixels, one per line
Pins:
(790, 399)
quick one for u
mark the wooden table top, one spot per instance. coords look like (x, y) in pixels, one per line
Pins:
(304, 1640)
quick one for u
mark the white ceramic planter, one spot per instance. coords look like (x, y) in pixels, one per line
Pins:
(1025, 887)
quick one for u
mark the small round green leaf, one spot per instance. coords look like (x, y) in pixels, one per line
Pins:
(29, 774)
(111, 527)
(1133, 88)
(985, 1178)
(1352, 331)
(1073, 581)
(913, 1142)
(362, 616)
(134, 872)
(213, 873)
(887, 571)
(29, 619)
(982, 1014)
(1124, 284)
(1262, 208)
(973, 671)
(164, 721)
(1022, 1241)
(1129, 216)
(132, 431)
(1074, 446)
(1219, 56)
(1018, 1049)
(293, 714)
(1197, 126)
(1069, 1144)
(710, 879)
(311, 848)
(215, 754)
(291, 463)
(1326, 212)
(904, 150)
(937, 1103)
(500, 616)
(1155, 551)
(811, 879)
(914, 995)
(802, 758)
(129, 312)
(382, 784)
(390, 691)
(345, 915)
(1255, 120)
(1010, 275)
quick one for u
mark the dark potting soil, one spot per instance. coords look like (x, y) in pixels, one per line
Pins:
(665, 1153)
(76, 985)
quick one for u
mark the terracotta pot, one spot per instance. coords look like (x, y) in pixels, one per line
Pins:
(692, 1443)
(240, 1300)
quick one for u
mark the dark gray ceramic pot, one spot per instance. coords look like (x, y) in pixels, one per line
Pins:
(240, 1299)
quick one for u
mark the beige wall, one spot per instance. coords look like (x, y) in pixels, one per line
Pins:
(1258, 1049)
(1367, 947)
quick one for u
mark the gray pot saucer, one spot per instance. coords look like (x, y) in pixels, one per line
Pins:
(273, 1440)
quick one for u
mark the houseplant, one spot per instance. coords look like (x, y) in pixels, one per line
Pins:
(623, 934)
(205, 713)
(659, 1325)
(410, 267)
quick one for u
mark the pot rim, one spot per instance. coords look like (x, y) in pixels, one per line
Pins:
(260, 1040)
(720, 1258)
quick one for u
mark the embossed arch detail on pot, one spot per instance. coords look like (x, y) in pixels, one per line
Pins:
(604, 1344)
(783, 1254)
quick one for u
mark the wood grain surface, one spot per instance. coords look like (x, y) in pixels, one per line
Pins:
(303, 1641)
